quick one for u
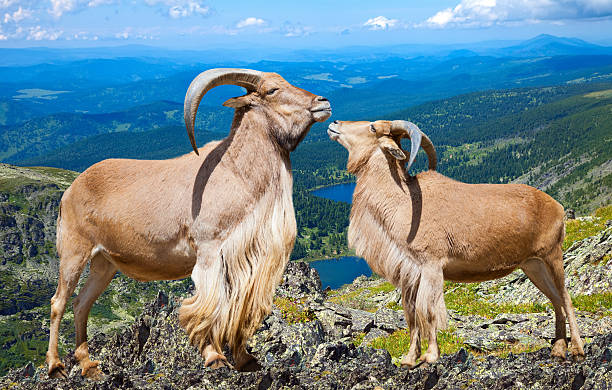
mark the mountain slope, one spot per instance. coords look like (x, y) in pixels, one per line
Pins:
(39, 136)
(29, 203)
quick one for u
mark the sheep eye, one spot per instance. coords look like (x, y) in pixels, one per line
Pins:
(271, 92)
(372, 129)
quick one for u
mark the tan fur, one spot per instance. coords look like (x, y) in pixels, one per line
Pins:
(224, 217)
(418, 231)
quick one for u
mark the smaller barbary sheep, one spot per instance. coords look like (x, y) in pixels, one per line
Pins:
(417, 231)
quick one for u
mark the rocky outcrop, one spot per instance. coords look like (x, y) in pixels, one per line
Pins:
(154, 353)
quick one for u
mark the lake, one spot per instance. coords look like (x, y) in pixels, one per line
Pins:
(337, 272)
(339, 192)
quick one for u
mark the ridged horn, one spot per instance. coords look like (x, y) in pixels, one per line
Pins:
(206, 81)
(417, 139)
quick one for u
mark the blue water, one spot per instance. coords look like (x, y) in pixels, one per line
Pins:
(337, 272)
(339, 192)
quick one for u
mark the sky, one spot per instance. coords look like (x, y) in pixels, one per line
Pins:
(201, 24)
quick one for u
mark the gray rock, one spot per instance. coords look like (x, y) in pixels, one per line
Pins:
(374, 333)
(389, 320)
(361, 321)
(154, 353)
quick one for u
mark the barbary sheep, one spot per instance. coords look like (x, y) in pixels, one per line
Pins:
(223, 215)
(417, 231)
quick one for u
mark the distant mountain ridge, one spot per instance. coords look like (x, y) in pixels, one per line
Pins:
(541, 45)
(550, 45)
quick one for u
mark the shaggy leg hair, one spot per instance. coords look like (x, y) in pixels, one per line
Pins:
(235, 286)
(424, 308)
(408, 300)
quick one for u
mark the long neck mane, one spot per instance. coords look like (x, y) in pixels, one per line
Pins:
(256, 156)
(381, 182)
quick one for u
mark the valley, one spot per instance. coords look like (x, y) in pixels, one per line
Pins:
(526, 114)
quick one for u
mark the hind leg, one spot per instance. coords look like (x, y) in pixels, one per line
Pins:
(431, 310)
(414, 352)
(71, 266)
(101, 272)
(539, 274)
(555, 261)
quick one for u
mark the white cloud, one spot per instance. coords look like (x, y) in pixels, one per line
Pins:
(7, 3)
(179, 8)
(380, 23)
(249, 22)
(125, 34)
(131, 33)
(188, 9)
(83, 36)
(97, 3)
(295, 30)
(17, 16)
(482, 13)
(40, 34)
(59, 7)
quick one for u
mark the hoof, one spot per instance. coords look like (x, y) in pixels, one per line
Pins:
(578, 355)
(58, 370)
(249, 366)
(429, 358)
(218, 362)
(408, 363)
(91, 371)
(559, 350)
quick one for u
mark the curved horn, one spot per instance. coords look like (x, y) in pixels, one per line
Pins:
(209, 79)
(417, 137)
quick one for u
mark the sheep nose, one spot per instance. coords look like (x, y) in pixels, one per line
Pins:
(335, 122)
(321, 99)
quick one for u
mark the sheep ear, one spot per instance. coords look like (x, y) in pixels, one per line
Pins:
(388, 145)
(237, 102)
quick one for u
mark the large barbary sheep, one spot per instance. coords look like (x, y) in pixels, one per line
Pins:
(223, 215)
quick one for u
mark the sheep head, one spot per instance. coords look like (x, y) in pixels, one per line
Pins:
(289, 111)
(362, 139)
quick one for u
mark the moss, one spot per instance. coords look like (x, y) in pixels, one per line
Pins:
(358, 339)
(394, 306)
(382, 288)
(293, 311)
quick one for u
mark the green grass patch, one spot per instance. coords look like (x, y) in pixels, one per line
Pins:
(382, 288)
(397, 343)
(360, 298)
(358, 339)
(594, 303)
(394, 306)
(576, 229)
(463, 298)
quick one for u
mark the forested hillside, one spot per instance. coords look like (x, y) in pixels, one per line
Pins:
(555, 138)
